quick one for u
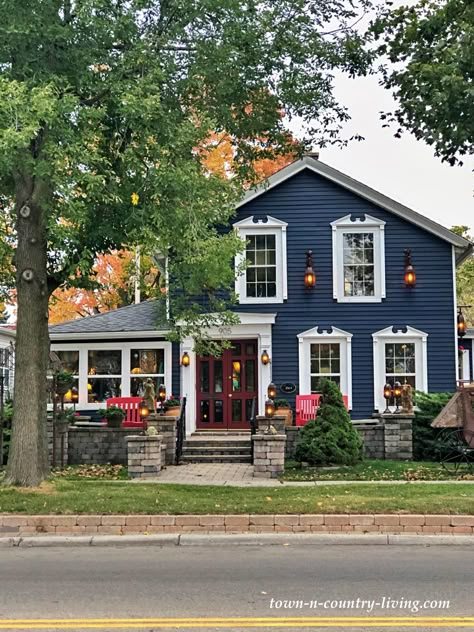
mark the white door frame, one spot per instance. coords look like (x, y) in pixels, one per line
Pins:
(252, 327)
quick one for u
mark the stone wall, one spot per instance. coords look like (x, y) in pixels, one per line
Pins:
(61, 442)
(98, 445)
(292, 433)
(144, 456)
(373, 438)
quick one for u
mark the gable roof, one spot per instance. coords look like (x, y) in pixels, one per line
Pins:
(132, 318)
(463, 246)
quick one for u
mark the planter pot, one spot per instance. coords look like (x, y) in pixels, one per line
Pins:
(115, 422)
(173, 411)
(62, 388)
(287, 413)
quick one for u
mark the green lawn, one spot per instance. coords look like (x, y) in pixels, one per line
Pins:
(375, 470)
(63, 496)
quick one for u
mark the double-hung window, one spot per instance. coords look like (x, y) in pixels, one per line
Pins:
(399, 356)
(261, 275)
(358, 260)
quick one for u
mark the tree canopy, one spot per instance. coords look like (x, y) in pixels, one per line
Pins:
(104, 105)
(430, 50)
(465, 279)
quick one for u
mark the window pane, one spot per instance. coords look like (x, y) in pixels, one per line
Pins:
(147, 361)
(105, 362)
(236, 376)
(69, 360)
(101, 389)
(68, 395)
(236, 410)
(250, 376)
(358, 258)
(218, 411)
(250, 349)
(204, 376)
(218, 376)
(137, 385)
(205, 411)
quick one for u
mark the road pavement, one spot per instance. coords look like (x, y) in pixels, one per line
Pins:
(271, 587)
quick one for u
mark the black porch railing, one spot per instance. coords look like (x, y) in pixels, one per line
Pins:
(253, 422)
(180, 431)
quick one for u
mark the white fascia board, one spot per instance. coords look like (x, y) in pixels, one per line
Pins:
(246, 318)
(464, 246)
(249, 222)
(319, 332)
(106, 335)
(389, 333)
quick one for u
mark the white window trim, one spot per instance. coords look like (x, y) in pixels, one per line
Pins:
(319, 335)
(367, 224)
(388, 335)
(275, 227)
(465, 366)
(125, 348)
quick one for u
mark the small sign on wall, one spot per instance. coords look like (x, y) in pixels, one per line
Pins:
(288, 387)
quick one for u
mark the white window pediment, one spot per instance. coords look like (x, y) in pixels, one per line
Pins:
(313, 363)
(264, 278)
(393, 344)
(358, 251)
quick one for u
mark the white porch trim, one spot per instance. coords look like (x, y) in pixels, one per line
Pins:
(252, 327)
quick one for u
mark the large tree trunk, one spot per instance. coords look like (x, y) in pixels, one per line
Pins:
(28, 459)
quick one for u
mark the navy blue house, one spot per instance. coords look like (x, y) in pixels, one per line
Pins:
(360, 323)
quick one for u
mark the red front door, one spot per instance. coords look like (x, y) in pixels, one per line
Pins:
(226, 387)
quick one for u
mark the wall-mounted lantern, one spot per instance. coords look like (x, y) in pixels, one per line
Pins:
(143, 410)
(265, 357)
(309, 275)
(462, 325)
(272, 391)
(387, 394)
(185, 359)
(410, 274)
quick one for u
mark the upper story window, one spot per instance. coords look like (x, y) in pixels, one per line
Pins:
(358, 259)
(263, 280)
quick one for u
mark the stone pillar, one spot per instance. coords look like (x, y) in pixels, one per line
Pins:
(278, 422)
(166, 428)
(268, 455)
(398, 436)
(144, 456)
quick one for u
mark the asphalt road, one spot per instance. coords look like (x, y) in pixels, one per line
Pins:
(235, 583)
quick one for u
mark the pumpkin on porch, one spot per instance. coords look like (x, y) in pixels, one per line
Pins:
(283, 409)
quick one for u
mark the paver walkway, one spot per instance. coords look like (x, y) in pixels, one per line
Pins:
(241, 475)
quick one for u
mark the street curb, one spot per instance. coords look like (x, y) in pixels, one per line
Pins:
(253, 539)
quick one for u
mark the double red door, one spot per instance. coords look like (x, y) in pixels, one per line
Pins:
(226, 386)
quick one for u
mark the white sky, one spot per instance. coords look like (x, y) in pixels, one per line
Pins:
(404, 169)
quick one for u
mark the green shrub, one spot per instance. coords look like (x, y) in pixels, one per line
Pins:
(330, 439)
(6, 426)
(426, 446)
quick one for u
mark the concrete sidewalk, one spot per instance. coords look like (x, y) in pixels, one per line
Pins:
(241, 475)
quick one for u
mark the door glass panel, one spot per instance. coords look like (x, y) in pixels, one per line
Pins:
(248, 409)
(236, 410)
(236, 376)
(205, 411)
(204, 386)
(218, 376)
(250, 349)
(236, 349)
(218, 411)
(250, 376)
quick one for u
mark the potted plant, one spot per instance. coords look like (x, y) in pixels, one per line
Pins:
(64, 381)
(172, 406)
(113, 415)
(282, 408)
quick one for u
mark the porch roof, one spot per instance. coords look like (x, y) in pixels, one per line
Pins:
(140, 317)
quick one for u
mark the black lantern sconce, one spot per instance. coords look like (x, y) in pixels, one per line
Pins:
(272, 391)
(185, 359)
(397, 393)
(309, 275)
(410, 274)
(462, 325)
(143, 410)
(265, 357)
(269, 408)
(387, 394)
(162, 398)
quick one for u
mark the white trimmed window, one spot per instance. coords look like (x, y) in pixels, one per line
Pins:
(264, 278)
(399, 356)
(358, 253)
(464, 365)
(325, 353)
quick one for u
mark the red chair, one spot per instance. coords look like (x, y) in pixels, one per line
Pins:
(130, 405)
(307, 407)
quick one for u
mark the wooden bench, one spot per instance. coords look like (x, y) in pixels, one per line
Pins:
(131, 407)
(307, 407)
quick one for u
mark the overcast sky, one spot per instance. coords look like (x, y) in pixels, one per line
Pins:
(404, 169)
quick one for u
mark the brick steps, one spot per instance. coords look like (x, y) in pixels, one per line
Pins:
(214, 448)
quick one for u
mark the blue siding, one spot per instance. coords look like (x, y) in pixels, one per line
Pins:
(309, 203)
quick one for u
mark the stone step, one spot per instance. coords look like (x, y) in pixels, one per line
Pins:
(213, 458)
(221, 452)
